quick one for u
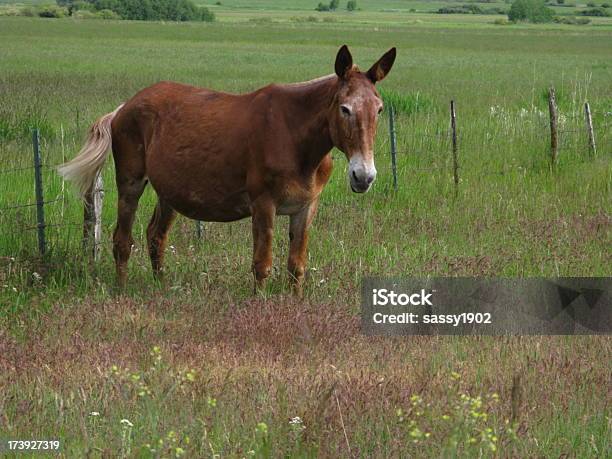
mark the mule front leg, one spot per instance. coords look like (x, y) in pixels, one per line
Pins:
(263, 211)
(299, 225)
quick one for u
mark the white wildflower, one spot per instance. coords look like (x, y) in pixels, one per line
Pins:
(296, 420)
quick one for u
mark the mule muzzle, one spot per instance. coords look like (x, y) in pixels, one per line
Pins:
(361, 175)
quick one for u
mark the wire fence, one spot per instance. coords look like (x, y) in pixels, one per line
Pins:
(448, 140)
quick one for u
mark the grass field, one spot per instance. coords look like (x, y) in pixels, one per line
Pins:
(199, 366)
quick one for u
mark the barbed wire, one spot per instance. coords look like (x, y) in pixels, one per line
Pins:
(46, 225)
(442, 134)
(17, 169)
(29, 205)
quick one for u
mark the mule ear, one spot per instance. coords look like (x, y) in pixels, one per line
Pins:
(382, 67)
(344, 62)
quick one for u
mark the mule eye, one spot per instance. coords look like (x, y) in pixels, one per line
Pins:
(345, 110)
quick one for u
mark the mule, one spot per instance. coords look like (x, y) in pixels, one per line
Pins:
(214, 156)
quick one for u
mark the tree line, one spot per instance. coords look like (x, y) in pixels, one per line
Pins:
(142, 10)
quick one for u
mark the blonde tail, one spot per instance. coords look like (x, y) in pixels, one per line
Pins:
(84, 168)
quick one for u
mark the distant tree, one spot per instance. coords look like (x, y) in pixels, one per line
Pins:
(530, 10)
(560, 2)
(322, 7)
(333, 5)
(351, 5)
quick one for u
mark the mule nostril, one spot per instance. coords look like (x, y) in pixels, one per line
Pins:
(355, 176)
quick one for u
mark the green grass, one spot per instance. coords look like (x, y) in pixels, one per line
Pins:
(266, 360)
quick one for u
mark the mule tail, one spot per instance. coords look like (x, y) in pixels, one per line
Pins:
(84, 168)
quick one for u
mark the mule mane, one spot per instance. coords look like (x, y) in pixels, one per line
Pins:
(314, 81)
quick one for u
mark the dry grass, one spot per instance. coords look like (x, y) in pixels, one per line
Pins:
(269, 361)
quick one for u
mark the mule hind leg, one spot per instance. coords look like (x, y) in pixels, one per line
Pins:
(130, 175)
(129, 194)
(157, 235)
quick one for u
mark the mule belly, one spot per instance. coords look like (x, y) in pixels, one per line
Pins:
(199, 208)
(205, 188)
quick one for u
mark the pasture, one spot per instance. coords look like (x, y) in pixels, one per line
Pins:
(199, 366)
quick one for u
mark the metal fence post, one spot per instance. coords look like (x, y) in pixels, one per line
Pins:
(38, 186)
(455, 155)
(199, 228)
(393, 146)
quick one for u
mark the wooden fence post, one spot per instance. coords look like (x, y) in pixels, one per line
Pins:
(92, 217)
(552, 108)
(40, 203)
(589, 126)
(455, 152)
(393, 145)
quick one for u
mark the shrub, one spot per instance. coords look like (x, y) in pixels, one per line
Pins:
(84, 14)
(79, 5)
(470, 9)
(530, 10)
(600, 12)
(206, 15)
(29, 11)
(322, 7)
(605, 5)
(351, 5)
(462, 9)
(108, 14)
(571, 20)
(591, 4)
(52, 11)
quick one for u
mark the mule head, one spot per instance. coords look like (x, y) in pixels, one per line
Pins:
(354, 114)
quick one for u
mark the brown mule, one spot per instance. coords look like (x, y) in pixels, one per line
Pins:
(221, 157)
